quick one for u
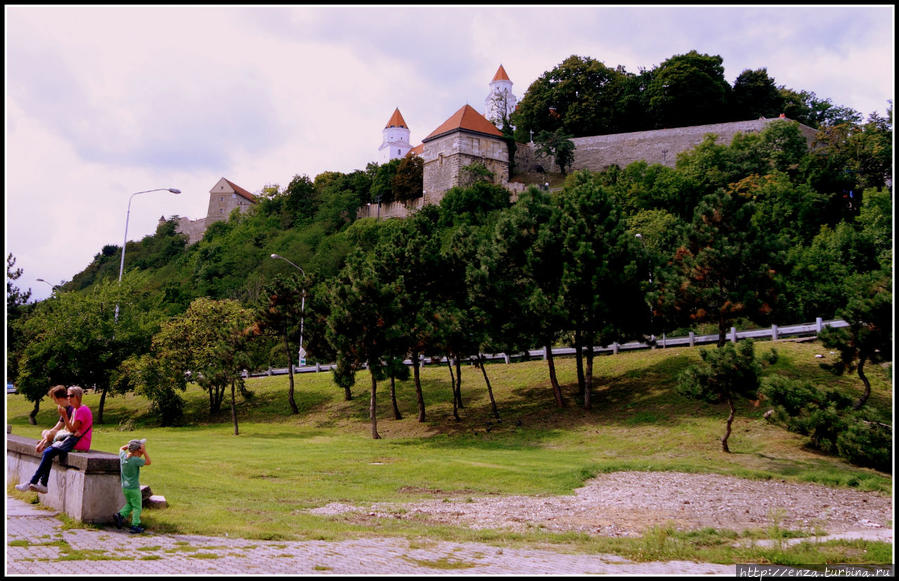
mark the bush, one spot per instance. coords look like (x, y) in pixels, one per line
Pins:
(825, 416)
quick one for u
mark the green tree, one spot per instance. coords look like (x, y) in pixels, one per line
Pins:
(280, 311)
(869, 336)
(688, 89)
(724, 270)
(558, 146)
(580, 96)
(724, 374)
(210, 342)
(755, 95)
(519, 272)
(408, 180)
(73, 338)
(16, 313)
(603, 270)
(362, 326)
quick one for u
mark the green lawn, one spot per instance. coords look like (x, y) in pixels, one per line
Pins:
(257, 484)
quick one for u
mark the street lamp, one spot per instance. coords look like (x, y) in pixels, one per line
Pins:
(127, 216)
(48, 283)
(300, 353)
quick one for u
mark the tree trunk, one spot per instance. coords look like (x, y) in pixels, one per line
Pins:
(416, 373)
(290, 400)
(861, 373)
(557, 391)
(449, 364)
(489, 389)
(459, 382)
(396, 410)
(233, 408)
(32, 417)
(588, 378)
(579, 361)
(722, 331)
(730, 420)
(373, 405)
(102, 403)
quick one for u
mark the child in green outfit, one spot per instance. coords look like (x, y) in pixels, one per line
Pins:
(131, 461)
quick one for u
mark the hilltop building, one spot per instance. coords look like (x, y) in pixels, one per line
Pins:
(468, 137)
(224, 197)
(395, 144)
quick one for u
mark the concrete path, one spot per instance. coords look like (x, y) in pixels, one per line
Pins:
(36, 544)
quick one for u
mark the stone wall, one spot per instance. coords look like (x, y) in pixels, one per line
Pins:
(660, 146)
(445, 157)
(87, 486)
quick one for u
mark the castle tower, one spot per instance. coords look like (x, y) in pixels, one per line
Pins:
(500, 102)
(396, 138)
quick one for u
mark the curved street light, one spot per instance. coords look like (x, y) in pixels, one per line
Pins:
(301, 352)
(125, 242)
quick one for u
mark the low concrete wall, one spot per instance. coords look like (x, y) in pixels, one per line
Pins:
(84, 485)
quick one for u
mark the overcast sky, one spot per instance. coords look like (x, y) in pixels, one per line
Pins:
(105, 101)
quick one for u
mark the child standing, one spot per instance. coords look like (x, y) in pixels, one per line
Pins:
(131, 461)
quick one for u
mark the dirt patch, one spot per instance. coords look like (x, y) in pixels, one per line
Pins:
(629, 503)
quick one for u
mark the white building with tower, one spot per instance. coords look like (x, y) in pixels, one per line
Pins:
(395, 144)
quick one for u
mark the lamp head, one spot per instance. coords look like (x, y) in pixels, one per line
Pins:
(175, 190)
(275, 256)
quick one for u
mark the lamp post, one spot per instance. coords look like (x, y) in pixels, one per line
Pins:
(300, 353)
(125, 242)
(52, 286)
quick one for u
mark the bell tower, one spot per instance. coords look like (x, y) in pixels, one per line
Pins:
(395, 143)
(500, 102)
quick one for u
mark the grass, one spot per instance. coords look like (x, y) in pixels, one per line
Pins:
(258, 484)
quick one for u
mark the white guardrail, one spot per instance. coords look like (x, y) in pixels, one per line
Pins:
(773, 333)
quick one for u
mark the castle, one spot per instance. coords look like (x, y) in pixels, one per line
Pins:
(468, 137)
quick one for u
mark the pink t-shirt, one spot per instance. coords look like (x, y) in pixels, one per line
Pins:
(84, 414)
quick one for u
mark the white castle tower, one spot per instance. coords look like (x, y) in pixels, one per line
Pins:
(396, 138)
(500, 102)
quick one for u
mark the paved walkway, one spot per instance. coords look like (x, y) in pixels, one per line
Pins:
(36, 544)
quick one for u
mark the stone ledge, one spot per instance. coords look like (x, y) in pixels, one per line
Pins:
(90, 462)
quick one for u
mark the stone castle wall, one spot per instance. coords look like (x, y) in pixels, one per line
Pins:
(660, 146)
(445, 157)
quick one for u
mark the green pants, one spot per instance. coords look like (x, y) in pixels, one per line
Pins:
(133, 505)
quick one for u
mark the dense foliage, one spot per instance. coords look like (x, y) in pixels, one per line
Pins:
(762, 229)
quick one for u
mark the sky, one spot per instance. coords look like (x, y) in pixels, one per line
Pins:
(102, 102)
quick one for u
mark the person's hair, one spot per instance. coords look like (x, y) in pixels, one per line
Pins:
(76, 391)
(57, 391)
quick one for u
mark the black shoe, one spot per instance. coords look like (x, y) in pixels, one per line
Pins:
(119, 521)
(136, 529)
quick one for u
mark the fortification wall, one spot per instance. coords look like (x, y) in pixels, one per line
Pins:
(660, 146)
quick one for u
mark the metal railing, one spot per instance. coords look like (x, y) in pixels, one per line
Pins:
(773, 333)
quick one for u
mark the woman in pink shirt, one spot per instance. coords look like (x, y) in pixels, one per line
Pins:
(79, 426)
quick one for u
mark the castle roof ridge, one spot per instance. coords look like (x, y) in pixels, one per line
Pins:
(240, 191)
(467, 119)
(396, 120)
(501, 75)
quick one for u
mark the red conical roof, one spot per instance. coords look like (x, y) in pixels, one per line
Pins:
(468, 119)
(500, 75)
(396, 120)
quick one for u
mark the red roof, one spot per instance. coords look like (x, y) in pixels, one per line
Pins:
(417, 150)
(500, 75)
(396, 120)
(465, 119)
(240, 191)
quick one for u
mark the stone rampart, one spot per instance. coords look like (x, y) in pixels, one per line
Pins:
(86, 486)
(660, 146)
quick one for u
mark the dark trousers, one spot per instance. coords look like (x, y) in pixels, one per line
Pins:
(50, 452)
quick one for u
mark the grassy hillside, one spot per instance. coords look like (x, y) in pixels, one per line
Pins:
(257, 484)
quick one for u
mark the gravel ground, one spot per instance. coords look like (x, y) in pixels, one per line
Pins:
(628, 503)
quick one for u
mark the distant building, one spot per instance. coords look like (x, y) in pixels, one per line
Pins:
(224, 197)
(395, 142)
(468, 137)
